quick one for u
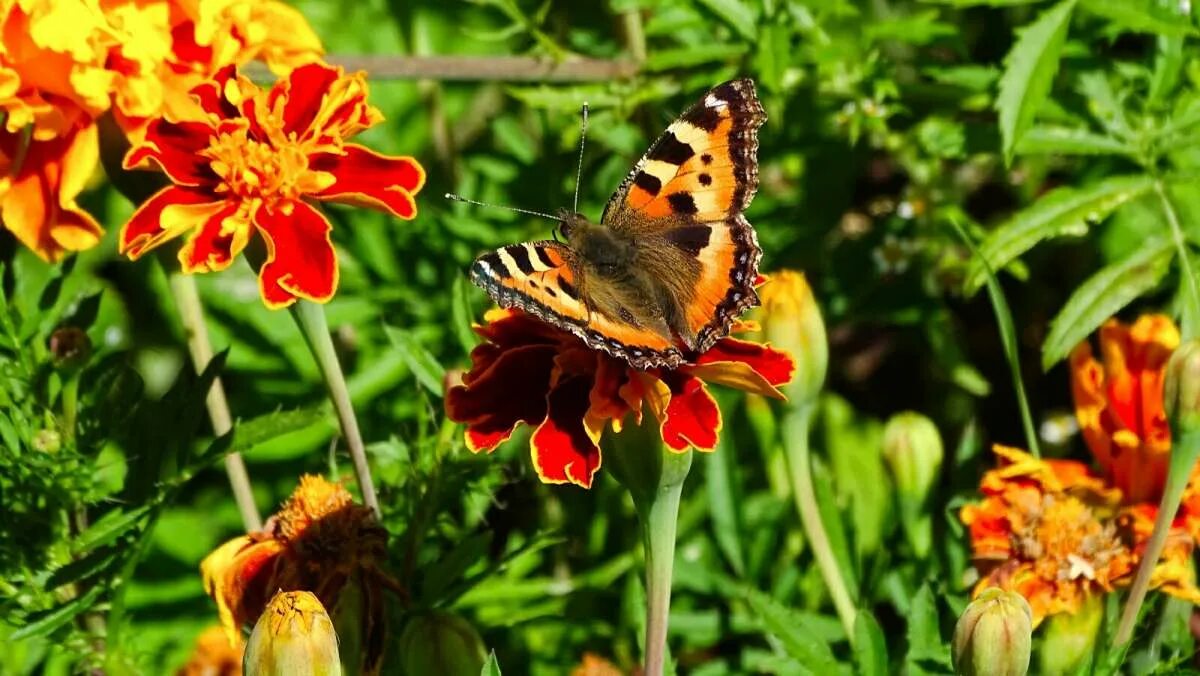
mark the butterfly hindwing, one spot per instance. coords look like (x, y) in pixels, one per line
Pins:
(545, 279)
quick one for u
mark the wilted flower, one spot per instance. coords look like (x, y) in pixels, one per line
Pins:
(257, 163)
(440, 642)
(994, 636)
(319, 541)
(214, 655)
(69, 348)
(529, 372)
(1055, 533)
(293, 636)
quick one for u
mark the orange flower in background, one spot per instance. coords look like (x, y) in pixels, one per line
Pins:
(1119, 403)
(257, 163)
(1055, 533)
(320, 541)
(214, 655)
(529, 372)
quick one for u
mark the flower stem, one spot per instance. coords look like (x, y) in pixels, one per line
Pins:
(796, 422)
(191, 315)
(310, 317)
(659, 516)
(1189, 276)
(1185, 449)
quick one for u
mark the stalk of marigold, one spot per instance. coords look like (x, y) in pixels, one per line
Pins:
(1181, 399)
(792, 321)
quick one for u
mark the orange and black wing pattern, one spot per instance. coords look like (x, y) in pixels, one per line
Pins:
(544, 280)
(689, 192)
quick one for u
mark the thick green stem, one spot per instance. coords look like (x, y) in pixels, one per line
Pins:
(1189, 276)
(311, 319)
(191, 316)
(796, 423)
(659, 515)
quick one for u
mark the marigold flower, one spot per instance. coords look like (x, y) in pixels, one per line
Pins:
(1119, 403)
(257, 163)
(319, 541)
(595, 665)
(529, 372)
(1055, 533)
(214, 655)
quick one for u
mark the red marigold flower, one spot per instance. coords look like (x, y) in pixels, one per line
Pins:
(529, 372)
(257, 162)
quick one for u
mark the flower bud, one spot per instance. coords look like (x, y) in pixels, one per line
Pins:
(912, 449)
(1181, 386)
(69, 348)
(994, 635)
(791, 321)
(47, 441)
(440, 642)
(1069, 638)
(294, 635)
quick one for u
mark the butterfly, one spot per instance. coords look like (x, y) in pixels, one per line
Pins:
(672, 262)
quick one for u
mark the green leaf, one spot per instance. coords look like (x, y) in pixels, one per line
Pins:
(423, 364)
(870, 647)
(1103, 295)
(1029, 72)
(460, 314)
(263, 428)
(736, 13)
(1143, 16)
(45, 623)
(1065, 211)
(723, 504)
(925, 642)
(686, 57)
(81, 569)
(789, 627)
(1052, 140)
(491, 667)
(108, 528)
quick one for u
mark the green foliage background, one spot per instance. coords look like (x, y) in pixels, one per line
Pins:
(1062, 136)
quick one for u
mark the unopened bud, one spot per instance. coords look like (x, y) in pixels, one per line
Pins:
(791, 321)
(1181, 386)
(994, 635)
(294, 635)
(69, 348)
(913, 451)
(439, 642)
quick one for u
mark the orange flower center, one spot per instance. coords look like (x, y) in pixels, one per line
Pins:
(258, 171)
(1065, 541)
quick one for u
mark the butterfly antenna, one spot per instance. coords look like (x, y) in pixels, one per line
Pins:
(579, 170)
(459, 198)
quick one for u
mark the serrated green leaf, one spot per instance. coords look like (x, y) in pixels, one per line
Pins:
(1029, 72)
(423, 364)
(925, 642)
(736, 13)
(45, 623)
(1103, 295)
(491, 667)
(1143, 16)
(82, 569)
(248, 434)
(1065, 211)
(108, 528)
(870, 647)
(789, 627)
(1051, 140)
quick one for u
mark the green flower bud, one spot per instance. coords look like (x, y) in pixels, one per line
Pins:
(1181, 386)
(70, 348)
(994, 635)
(294, 635)
(1069, 638)
(913, 451)
(440, 642)
(791, 321)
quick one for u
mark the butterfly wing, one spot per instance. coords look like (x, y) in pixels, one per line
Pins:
(685, 197)
(545, 280)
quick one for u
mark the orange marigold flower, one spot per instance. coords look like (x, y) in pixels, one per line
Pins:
(318, 541)
(529, 372)
(1055, 533)
(257, 162)
(1119, 403)
(214, 655)
(595, 665)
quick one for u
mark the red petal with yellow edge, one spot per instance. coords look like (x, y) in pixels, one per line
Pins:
(513, 328)
(605, 397)
(367, 178)
(561, 447)
(747, 366)
(216, 241)
(692, 417)
(145, 229)
(176, 148)
(211, 94)
(301, 262)
(305, 90)
(511, 390)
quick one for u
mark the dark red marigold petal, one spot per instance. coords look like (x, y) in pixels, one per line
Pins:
(211, 94)
(692, 417)
(145, 230)
(504, 389)
(519, 328)
(561, 448)
(301, 262)
(175, 146)
(366, 178)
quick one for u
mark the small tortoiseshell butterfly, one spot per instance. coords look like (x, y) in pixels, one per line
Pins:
(672, 262)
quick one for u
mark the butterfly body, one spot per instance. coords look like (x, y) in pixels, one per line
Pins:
(672, 261)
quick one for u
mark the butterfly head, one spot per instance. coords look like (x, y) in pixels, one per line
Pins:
(570, 222)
